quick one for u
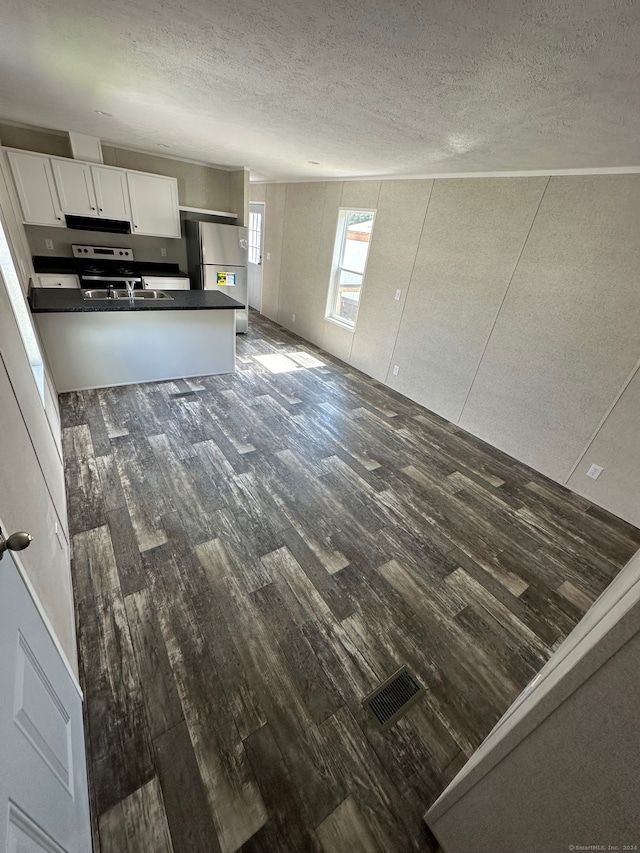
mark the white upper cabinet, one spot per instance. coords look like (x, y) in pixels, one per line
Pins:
(154, 204)
(111, 192)
(36, 188)
(49, 187)
(86, 190)
(75, 187)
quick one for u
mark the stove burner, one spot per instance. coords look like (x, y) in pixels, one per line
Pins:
(94, 270)
(125, 271)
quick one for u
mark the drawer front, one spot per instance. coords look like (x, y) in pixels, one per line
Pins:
(68, 281)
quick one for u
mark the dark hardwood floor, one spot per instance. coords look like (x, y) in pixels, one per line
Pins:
(254, 553)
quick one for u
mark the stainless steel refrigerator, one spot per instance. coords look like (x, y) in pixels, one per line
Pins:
(217, 258)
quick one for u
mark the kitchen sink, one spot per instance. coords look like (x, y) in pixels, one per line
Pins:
(121, 294)
(151, 294)
(96, 294)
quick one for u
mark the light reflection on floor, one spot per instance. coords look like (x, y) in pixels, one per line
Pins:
(283, 363)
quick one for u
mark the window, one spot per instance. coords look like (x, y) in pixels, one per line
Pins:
(353, 237)
(23, 318)
(255, 237)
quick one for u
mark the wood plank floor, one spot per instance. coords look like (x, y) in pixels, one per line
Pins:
(254, 553)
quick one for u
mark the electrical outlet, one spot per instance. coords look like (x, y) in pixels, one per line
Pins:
(163, 252)
(49, 245)
(396, 369)
(594, 472)
(268, 256)
(398, 295)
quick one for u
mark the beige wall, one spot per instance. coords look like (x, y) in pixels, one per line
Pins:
(239, 195)
(54, 143)
(198, 186)
(566, 338)
(518, 314)
(144, 248)
(616, 447)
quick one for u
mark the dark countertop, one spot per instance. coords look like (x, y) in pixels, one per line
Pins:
(45, 300)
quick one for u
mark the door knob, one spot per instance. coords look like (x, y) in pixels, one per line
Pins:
(16, 542)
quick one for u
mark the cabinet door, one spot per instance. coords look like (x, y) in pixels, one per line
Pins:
(111, 192)
(75, 187)
(36, 189)
(158, 282)
(154, 204)
(64, 281)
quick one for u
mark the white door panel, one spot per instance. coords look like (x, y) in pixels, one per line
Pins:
(36, 189)
(112, 194)
(43, 785)
(75, 187)
(154, 204)
(25, 836)
(256, 252)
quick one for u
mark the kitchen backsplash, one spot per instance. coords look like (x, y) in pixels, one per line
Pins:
(144, 248)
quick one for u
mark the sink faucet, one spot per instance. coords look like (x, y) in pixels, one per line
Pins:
(110, 292)
(130, 288)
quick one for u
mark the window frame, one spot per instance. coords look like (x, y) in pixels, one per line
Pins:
(339, 247)
(10, 280)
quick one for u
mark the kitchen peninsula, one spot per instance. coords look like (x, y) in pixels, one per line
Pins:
(104, 342)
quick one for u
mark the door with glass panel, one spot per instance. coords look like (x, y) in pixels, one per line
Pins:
(256, 244)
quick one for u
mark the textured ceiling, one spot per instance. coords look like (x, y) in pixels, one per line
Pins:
(368, 87)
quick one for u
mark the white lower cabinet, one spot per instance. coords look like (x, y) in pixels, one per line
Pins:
(156, 282)
(65, 281)
(154, 204)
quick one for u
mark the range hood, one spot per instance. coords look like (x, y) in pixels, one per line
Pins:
(92, 223)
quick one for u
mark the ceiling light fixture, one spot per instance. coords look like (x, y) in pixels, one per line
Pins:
(102, 113)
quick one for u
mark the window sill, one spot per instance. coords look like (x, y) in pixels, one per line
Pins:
(349, 327)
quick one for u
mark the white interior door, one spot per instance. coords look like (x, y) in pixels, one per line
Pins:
(43, 784)
(256, 246)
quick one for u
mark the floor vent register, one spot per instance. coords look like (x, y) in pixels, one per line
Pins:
(391, 701)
